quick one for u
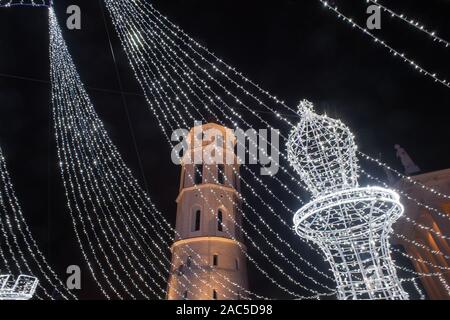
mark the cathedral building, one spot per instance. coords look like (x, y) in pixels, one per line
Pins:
(422, 244)
(208, 255)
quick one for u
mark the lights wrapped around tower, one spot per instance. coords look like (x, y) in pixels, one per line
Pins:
(350, 224)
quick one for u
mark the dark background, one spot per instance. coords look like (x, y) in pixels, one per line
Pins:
(295, 49)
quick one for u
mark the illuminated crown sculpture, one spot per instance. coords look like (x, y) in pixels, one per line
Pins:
(21, 289)
(350, 224)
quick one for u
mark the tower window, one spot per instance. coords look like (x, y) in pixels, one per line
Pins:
(214, 294)
(197, 220)
(215, 260)
(236, 264)
(219, 220)
(221, 173)
(189, 261)
(198, 174)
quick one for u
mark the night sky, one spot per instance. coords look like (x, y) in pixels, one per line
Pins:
(294, 49)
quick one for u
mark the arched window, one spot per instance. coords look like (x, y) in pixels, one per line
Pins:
(236, 264)
(198, 174)
(221, 174)
(196, 220)
(214, 294)
(219, 220)
(180, 269)
(189, 261)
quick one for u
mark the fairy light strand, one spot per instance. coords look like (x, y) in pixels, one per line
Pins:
(141, 45)
(179, 34)
(242, 179)
(412, 22)
(63, 163)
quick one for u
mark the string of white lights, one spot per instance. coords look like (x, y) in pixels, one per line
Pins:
(416, 286)
(259, 180)
(417, 244)
(351, 224)
(419, 203)
(209, 76)
(420, 260)
(211, 100)
(32, 3)
(428, 275)
(391, 50)
(147, 45)
(59, 73)
(166, 134)
(233, 69)
(422, 246)
(162, 100)
(99, 162)
(186, 39)
(70, 63)
(82, 158)
(412, 22)
(404, 177)
(140, 45)
(16, 229)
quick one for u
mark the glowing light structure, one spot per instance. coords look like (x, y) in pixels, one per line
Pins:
(33, 3)
(349, 223)
(23, 288)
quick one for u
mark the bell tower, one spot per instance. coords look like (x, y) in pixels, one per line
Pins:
(208, 260)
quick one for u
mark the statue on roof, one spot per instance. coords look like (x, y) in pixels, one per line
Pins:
(407, 162)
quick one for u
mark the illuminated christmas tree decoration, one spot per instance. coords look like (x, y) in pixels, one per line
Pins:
(350, 224)
(23, 288)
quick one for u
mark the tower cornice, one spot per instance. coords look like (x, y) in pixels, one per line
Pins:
(200, 187)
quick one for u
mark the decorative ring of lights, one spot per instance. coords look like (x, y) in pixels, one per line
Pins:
(347, 214)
